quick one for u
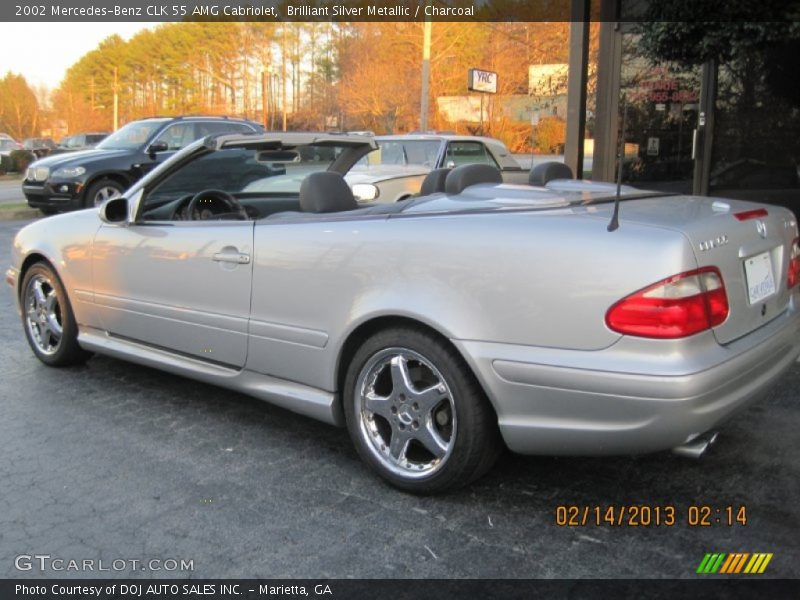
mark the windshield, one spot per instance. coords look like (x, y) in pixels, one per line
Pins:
(130, 137)
(245, 172)
(403, 152)
(6, 144)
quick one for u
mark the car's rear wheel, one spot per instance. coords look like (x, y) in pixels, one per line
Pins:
(100, 191)
(416, 414)
(48, 320)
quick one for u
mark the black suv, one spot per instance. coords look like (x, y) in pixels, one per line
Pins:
(85, 179)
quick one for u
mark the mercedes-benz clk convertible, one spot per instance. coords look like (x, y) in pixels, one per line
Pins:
(561, 317)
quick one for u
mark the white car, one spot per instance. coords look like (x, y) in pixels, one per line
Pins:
(396, 170)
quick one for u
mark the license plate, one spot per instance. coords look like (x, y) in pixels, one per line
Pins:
(758, 273)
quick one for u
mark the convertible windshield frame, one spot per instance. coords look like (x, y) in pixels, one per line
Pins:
(349, 151)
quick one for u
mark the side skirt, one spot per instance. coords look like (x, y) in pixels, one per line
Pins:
(305, 400)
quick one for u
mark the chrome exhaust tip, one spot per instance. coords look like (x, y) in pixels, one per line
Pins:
(697, 446)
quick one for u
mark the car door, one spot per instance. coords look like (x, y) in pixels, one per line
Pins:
(179, 285)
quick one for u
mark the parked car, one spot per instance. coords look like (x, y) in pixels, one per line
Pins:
(82, 179)
(8, 145)
(39, 146)
(396, 169)
(79, 141)
(555, 319)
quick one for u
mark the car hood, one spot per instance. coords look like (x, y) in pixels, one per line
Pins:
(82, 157)
(378, 173)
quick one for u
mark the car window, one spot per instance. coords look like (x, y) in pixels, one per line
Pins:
(177, 136)
(130, 137)
(205, 128)
(94, 139)
(468, 153)
(404, 152)
(244, 172)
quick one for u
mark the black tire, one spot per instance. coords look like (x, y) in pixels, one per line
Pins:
(65, 351)
(472, 439)
(98, 192)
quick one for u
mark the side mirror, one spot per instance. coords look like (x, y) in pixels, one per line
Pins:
(451, 164)
(114, 211)
(157, 146)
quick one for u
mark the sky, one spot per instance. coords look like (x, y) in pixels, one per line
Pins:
(46, 50)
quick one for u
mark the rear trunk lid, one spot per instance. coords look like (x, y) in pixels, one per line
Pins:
(749, 243)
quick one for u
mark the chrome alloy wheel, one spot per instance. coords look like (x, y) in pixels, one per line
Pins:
(105, 193)
(406, 412)
(43, 314)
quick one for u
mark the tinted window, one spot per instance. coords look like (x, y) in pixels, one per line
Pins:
(132, 136)
(404, 152)
(177, 136)
(468, 153)
(218, 127)
(95, 138)
(243, 172)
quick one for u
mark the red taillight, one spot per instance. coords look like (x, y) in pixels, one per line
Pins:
(675, 307)
(746, 215)
(794, 265)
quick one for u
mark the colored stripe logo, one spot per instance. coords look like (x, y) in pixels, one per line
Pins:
(735, 563)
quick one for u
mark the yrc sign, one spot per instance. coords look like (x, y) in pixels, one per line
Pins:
(482, 81)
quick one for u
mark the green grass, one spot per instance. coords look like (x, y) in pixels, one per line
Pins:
(17, 206)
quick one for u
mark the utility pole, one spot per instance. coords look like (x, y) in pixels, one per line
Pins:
(116, 101)
(264, 99)
(426, 75)
(283, 62)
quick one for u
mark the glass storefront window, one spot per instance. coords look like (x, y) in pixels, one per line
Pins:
(756, 148)
(662, 111)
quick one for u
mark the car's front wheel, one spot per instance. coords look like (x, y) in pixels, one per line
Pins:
(416, 414)
(48, 320)
(101, 191)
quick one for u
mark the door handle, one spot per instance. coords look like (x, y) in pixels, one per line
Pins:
(236, 258)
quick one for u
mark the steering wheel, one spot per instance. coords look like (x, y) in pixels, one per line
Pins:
(206, 205)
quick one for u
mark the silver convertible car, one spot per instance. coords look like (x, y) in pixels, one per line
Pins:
(555, 317)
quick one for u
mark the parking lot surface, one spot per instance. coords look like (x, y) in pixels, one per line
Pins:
(116, 461)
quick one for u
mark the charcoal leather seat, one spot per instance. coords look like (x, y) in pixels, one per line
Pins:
(541, 174)
(434, 182)
(464, 176)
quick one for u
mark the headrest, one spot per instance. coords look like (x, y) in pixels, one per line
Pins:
(325, 192)
(548, 171)
(464, 176)
(434, 182)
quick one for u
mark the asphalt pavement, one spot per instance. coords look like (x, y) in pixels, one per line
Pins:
(11, 191)
(112, 461)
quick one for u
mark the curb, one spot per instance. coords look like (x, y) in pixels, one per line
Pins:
(22, 214)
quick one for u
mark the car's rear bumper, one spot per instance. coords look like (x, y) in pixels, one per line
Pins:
(635, 396)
